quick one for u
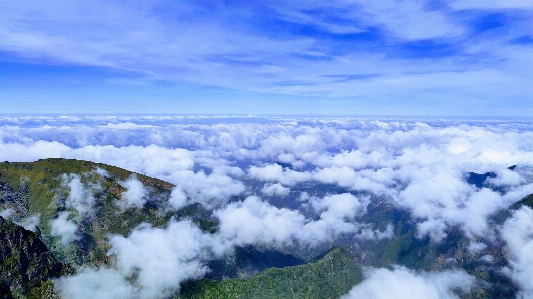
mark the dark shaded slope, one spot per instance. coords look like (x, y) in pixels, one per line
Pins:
(526, 201)
(247, 261)
(26, 264)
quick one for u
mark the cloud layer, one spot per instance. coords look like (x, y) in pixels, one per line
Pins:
(278, 182)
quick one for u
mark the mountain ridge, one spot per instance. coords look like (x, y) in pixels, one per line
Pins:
(39, 187)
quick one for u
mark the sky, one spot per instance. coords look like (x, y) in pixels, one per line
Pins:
(346, 58)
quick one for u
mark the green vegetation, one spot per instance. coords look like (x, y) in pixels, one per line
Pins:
(44, 291)
(39, 188)
(330, 277)
(26, 265)
(38, 182)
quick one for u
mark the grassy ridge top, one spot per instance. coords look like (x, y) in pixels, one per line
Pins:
(52, 167)
(38, 188)
(37, 182)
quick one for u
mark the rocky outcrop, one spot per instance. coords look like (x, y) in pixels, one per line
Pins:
(25, 262)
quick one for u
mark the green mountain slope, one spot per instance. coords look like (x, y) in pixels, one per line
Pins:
(38, 188)
(42, 188)
(330, 277)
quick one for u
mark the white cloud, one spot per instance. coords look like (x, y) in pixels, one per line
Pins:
(64, 228)
(476, 247)
(506, 177)
(341, 205)
(399, 19)
(487, 258)
(377, 182)
(7, 213)
(253, 221)
(29, 223)
(161, 259)
(80, 197)
(178, 198)
(353, 159)
(404, 18)
(370, 234)
(102, 172)
(212, 190)
(135, 196)
(405, 283)
(96, 283)
(517, 233)
(276, 173)
(275, 189)
(271, 172)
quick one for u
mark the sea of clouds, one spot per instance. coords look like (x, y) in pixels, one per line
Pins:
(416, 164)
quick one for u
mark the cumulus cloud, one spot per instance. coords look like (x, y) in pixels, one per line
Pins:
(254, 221)
(487, 258)
(96, 283)
(276, 173)
(149, 263)
(160, 259)
(341, 206)
(375, 234)
(152, 262)
(376, 181)
(79, 203)
(212, 190)
(80, 197)
(275, 189)
(404, 283)
(102, 172)
(518, 234)
(476, 247)
(29, 223)
(64, 228)
(135, 195)
(178, 199)
(157, 260)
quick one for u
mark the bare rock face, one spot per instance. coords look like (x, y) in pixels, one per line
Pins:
(26, 265)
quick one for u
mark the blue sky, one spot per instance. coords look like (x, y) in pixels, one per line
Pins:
(424, 58)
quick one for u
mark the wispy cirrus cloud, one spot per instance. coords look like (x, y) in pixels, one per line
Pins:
(460, 53)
